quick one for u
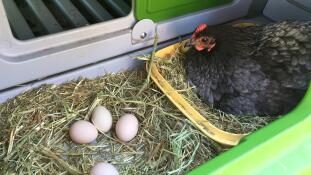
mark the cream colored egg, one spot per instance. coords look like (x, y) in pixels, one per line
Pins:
(127, 127)
(102, 119)
(104, 169)
(83, 132)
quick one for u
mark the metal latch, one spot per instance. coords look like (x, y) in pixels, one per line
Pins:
(144, 30)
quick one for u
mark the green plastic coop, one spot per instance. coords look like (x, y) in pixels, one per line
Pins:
(281, 148)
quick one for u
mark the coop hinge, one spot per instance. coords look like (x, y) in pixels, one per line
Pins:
(144, 30)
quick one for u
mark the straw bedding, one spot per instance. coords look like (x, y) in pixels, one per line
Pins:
(34, 126)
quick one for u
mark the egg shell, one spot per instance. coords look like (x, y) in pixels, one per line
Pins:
(101, 118)
(83, 132)
(127, 127)
(104, 169)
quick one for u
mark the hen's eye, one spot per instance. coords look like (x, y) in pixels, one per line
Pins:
(204, 40)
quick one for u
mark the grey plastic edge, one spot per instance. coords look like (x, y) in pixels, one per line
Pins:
(25, 61)
(118, 64)
(287, 10)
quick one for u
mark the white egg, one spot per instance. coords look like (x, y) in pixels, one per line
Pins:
(83, 132)
(102, 119)
(104, 169)
(127, 127)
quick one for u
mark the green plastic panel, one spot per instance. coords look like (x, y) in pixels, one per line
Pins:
(158, 10)
(281, 148)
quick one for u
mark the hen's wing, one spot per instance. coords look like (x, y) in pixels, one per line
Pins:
(217, 75)
(245, 76)
(206, 75)
(285, 53)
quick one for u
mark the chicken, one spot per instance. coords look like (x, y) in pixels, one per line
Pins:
(256, 70)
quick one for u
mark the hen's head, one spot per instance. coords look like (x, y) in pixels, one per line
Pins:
(201, 40)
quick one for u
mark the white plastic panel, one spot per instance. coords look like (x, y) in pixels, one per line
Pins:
(25, 61)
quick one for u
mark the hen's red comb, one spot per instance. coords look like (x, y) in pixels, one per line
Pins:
(200, 28)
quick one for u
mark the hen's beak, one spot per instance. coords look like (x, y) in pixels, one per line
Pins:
(186, 45)
(198, 46)
(190, 43)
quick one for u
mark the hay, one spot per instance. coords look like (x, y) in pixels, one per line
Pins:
(34, 127)
(34, 130)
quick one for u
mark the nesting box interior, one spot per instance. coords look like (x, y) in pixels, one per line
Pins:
(65, 42)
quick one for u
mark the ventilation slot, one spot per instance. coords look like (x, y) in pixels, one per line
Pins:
(34, 18)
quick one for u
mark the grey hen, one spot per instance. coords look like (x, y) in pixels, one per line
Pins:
(257, 70)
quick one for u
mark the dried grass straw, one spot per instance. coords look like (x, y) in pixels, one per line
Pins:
(34, 127)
